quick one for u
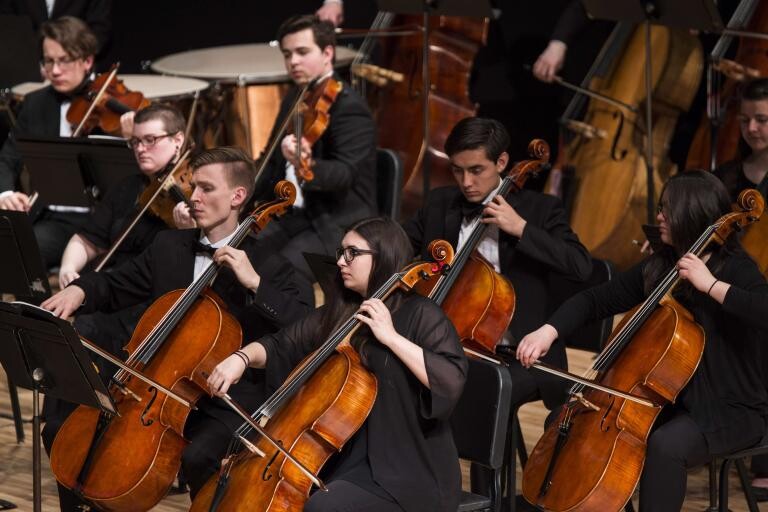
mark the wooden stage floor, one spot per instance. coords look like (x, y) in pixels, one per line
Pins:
(16, 459)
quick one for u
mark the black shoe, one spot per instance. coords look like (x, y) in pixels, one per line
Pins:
(760, 493)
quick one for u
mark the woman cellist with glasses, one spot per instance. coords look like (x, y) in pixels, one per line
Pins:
(403, 457)
(722, 407)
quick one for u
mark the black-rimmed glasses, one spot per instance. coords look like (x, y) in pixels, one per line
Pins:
(351, 252)
(147, 141)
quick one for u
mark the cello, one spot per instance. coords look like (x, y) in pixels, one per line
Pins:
(128, 462)
(651, 355)
(608, 150)
(324, 401)
(479, 301)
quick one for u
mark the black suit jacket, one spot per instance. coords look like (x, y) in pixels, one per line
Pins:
(344, 188)
(548, 245)
(168, 264)
(96, 13)
(40, 116)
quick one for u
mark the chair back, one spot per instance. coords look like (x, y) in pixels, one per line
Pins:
(480, 419)
(389, 182)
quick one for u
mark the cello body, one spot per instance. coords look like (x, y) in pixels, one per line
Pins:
(611, 170)
(325, 413)
(137, 456)
(453, 42)
(608, 445)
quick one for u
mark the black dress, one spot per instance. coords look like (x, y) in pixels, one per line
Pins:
(726, 397)
(404, 452)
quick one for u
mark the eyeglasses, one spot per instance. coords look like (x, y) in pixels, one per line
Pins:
(351, 252)
(661, 209)
(148, 140)
(64, 63)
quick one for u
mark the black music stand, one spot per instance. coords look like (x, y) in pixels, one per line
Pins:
(427, 8)
(76, 172)
(44, 353)
(23, 274)
(684, 14)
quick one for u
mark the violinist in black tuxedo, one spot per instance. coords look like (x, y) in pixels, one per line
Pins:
(529, 239)
(343, 160)
(257, 285)
(69, 47)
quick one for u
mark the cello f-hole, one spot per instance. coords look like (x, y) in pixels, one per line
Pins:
(615, 143)
(266, 475)
(144, 421)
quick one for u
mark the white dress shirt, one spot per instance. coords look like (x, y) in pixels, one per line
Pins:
(202, 260)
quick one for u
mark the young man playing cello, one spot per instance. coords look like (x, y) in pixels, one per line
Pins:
(343, 159)
(257, 285)
(69, 47)
(530, 238)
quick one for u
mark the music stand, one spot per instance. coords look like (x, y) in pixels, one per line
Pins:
(75, 172)
(23, 274)
(44, 353)
(684, 14)
(427, 8)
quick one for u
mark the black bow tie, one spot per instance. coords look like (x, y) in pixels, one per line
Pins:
(201, 248)
(471, 210)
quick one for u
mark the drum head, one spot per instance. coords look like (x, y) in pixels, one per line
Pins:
(244, 63)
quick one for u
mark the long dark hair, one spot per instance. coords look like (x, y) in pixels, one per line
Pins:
(391, 252)
(691, 201)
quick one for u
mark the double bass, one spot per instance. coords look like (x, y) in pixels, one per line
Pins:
(453, 43)
(127, 462)
(650, 357)
(608, 151)
(319, 407)
(751, 61)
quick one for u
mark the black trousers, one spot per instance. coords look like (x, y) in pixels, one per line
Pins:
(53, 230)
(673, 447)
(343, 496)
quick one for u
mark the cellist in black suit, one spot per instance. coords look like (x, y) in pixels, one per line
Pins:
(257, 285)
(532, 240)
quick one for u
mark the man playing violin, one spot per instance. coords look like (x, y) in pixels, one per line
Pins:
(257, 285)
(529, 239)
(69, 47)
(343, 159)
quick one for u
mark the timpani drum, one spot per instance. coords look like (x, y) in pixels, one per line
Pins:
(180, 92)
(251, 79)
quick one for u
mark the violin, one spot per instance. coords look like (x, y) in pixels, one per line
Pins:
(159, 197)
(174, 186)
(127, 462)
(603, 430)
(312, 119)
(105, 99)
(319, 407)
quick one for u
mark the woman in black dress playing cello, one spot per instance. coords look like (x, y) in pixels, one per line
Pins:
(723, 406)
(403, 457)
